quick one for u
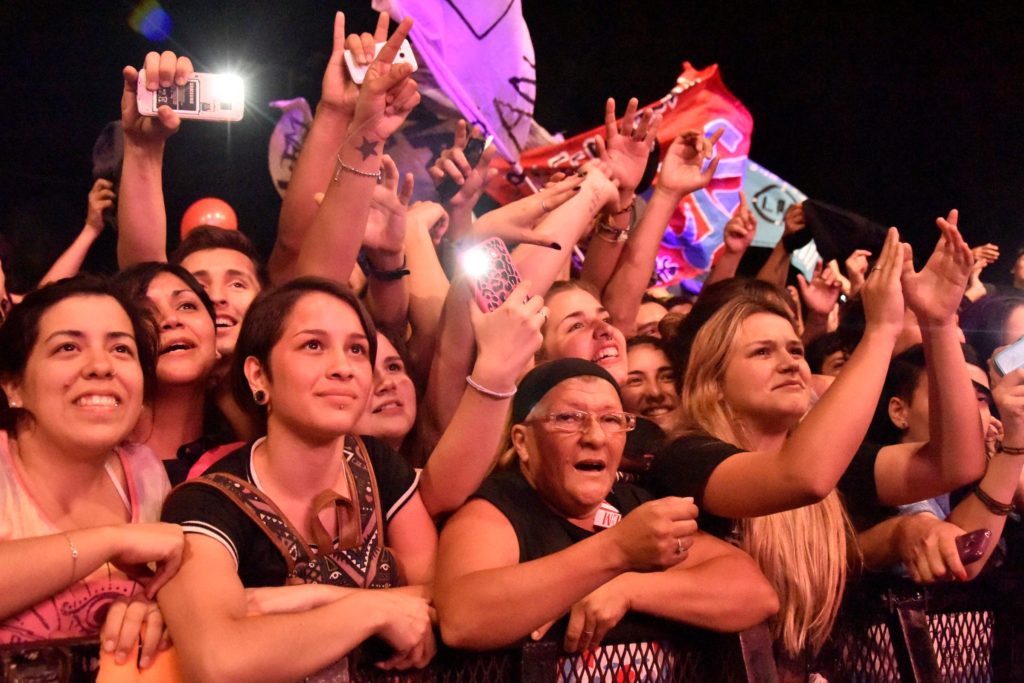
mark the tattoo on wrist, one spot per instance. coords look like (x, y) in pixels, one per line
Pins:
(367, 148)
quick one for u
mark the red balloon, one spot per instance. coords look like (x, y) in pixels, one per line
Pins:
(208, 211)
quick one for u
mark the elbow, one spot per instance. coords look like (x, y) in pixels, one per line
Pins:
(459, 633)
(809, 487)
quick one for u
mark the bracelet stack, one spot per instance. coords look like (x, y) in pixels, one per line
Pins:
(1003, 448)
(993, 505)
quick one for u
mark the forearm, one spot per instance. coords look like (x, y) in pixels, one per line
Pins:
(815, 325)
(428, 287)
(332, 244)
(879, 545)
(460, 221)
(955, 440)
(52, 567)
(622, 296)
(726, 593)
(776, 268)
(312, 173)
(453, 360)
(141, 216)
(388, 300)
(469, 446)
(474, 609)
(724, 268)
(603, 254)
(70, 262)
(1000, 483)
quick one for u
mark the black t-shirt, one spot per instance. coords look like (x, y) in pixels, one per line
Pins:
(542, 532)
(201, 509)
(684, 466)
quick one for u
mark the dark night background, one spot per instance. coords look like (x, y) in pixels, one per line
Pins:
(898, 113)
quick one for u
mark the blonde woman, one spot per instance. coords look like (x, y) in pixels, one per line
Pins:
(760, 465)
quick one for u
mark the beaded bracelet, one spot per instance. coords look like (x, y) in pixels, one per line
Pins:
(993, 505)
(342, 166)
(490, 392)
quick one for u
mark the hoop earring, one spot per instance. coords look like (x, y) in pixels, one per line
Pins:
(260, 397)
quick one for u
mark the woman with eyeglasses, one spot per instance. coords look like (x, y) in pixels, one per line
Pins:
(581, 556)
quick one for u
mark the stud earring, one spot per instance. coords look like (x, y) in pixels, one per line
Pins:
(260, 397)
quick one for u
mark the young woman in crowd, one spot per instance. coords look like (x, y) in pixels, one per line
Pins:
(758, 463)
(173, 426)
(570, 545)
(308, 503)
(649, 389)
(79, 507)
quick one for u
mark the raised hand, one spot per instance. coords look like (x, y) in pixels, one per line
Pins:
(682, 169)
(508, 337)
(934, 294)
(385, 227)
(882, 293)
(429, 217)
(657, 534)
(514, 222)
(386, 97)
(857, 268)
(162, 71)
(337, 90)
(625, 147)
(986, 253)
(740, 230)
(822, 293)
(793, 220)
(452, 163)
(101, 198)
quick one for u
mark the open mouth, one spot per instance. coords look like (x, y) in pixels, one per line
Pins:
(656, 411)
(177, 346)
(224, 321)
(607, 353)
(591, 466)
(388, 406)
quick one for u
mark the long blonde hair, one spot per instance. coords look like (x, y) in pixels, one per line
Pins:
(802, 552)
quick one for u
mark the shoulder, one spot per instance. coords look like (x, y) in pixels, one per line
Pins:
(684, 465)
(147, 480)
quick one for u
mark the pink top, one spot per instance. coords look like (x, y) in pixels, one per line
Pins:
(79, 610)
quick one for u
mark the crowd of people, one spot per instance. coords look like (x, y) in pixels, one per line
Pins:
(358, 450)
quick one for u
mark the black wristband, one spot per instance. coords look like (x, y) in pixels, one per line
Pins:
(372, 271)
(993, 505)
(796, 240)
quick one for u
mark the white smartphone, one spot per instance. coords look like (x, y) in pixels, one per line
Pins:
(208, 97)
(1010, 358)
(358, 73)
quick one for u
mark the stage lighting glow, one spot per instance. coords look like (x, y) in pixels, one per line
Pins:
(151, 20)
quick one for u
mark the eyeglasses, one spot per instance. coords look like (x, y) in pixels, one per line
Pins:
(576, 421)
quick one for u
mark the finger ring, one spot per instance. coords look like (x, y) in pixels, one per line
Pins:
(679, 546)
(876, 268)
(588, 633)
(544, 206)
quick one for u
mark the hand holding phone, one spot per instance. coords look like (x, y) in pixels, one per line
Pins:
(492, 274)
(1010, 358)
(204, 96)
(972, 546)
(473, 150)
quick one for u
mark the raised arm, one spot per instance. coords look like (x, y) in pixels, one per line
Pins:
(101, 197)
(506, 340)
(387, 95)
(682, 172)
(738, 234)
(384, 258)
(818, 297)
(316, 163)
(428, 284)
(471, 180)
(818, 450)
(795, 234)
(955, 452)
(478, 573)
(141, 216)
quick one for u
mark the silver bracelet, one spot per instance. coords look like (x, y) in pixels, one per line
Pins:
(489, 392)
(74, 555)
(342, 166)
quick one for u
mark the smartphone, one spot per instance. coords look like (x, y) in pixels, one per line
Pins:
(207, 97)
(358, 72)
(1010, 358)
(972, 545)
(474, 149)
(491, 273)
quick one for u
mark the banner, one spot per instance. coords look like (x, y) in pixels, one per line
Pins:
(699, 101)
(286, 140)
(481, 55)
(769, 196)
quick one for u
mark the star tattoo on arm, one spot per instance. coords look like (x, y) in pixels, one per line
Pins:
(368, 148)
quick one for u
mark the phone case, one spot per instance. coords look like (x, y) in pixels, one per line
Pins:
(358, 73)
(972, 545)
(494, 286)
(1010, 358)
(210, 97)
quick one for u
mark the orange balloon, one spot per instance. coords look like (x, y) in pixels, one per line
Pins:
(208, 211)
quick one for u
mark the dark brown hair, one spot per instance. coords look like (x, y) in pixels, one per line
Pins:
(18, 335)
(208, 237)
(264, 323)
